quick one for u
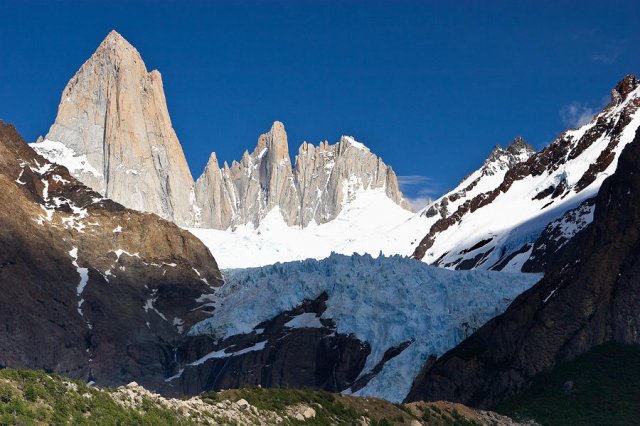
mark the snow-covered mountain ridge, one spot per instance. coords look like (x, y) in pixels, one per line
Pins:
(385, 302)
(497, 226)
(371, 223)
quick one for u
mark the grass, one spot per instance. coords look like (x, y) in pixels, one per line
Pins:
(605, 391)
(34, 397)
(37, 398)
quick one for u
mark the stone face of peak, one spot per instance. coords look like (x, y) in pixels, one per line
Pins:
(627, 85)
(329, 177)
(324, 179)
(502, 159)
(113, 114)
(519, 146)
(624, 88)
(275, 141)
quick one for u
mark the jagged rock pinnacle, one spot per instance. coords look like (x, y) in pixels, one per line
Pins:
(519, 145)
(324, 179)
(114, 112)
(623, 88)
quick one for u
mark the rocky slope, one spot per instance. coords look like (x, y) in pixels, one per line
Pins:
(494, 218)
(90, 289)
(589, 296)
(114, 128)
(33, 397)
(113, 132)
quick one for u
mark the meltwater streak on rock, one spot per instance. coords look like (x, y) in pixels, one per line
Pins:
(114, 112)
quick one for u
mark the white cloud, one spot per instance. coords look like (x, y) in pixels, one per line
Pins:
(576, 114)
(418, 190)
(610, 51)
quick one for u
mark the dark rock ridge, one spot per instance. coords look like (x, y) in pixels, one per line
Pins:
(591, 295)
(556, 235)
(89, 288)
(499, 160)
(556, 179)
(273, 355)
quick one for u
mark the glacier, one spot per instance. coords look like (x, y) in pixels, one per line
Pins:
(384, 301)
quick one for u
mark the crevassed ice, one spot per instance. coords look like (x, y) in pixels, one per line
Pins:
(384, 301)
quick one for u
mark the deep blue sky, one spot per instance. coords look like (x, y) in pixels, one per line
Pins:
(429, 86)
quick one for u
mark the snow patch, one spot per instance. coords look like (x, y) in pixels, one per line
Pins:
(59, 153)
(223, 354)
(305, 320)
(84, 277)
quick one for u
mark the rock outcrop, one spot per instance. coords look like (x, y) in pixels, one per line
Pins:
(329, 176)
(591, 295)
(113, 113)
(89, 288)
(274, 355)
(325, 178)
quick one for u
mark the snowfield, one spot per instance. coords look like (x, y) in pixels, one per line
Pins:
(384, 301)
(372, 223)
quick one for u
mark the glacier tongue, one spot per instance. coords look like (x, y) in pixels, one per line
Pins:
(385, 301)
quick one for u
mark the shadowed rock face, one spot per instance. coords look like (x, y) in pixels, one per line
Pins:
(591, 295)
(89, 288)
(273, 355)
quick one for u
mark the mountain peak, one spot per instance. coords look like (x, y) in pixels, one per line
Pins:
(114, 112)
(520, 146)
(501, 159)
(115, 40)
(113, 36)
(213, 160)
(624, 87)
(275, 142)
(350, 140)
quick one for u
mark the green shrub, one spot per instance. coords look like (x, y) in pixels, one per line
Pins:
(6, 393)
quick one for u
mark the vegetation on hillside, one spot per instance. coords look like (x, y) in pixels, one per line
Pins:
(601, 387)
